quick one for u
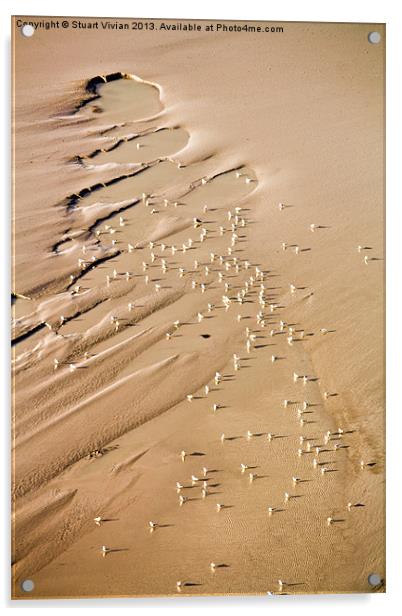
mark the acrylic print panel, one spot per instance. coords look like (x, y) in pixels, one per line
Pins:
(198, 294)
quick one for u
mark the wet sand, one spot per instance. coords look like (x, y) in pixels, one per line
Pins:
(151, 253)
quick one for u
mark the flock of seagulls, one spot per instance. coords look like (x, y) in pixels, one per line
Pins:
(239, 282)
(221, 269)
(268, 312)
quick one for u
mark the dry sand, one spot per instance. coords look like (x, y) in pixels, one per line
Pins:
(101, 170)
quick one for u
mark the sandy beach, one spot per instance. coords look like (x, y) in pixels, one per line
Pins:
(198, 307)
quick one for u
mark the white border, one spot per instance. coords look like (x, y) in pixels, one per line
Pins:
(285, 10)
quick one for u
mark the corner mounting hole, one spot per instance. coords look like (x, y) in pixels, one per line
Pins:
(27, 585)
(27, 30)
(374, 37)
(374, 579)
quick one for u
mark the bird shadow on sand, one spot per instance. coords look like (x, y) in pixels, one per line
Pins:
(110, 519)
(222, 566)
(338, 520)
(112, 550)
